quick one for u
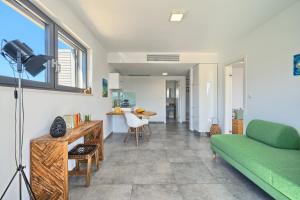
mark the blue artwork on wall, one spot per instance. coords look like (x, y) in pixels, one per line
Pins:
(297, 65)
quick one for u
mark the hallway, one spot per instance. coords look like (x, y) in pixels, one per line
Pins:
(174, 165)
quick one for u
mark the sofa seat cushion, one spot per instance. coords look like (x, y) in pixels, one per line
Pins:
(273, 134)
(287, 181)
(277, 167)
(243, 150)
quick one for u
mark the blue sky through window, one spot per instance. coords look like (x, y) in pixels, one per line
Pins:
(16, 26)
(63, 45)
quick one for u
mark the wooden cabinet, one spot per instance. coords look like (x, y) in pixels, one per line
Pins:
(49, 160)
(237, 126)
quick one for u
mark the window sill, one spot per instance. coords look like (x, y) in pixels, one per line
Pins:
(41, 90)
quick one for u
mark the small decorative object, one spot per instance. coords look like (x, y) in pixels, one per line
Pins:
(87, 118)
(116, 103)
(297, 65)
(76, 119)
(104, 88)
(58, 127)
(118, 110)
(237, 126)
(69, 121)
(139, 110)
(125, 103)
(214, 129)
(87, 91)
(238, 113)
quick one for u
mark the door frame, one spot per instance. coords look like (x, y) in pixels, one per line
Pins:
(228, 99)
(245, 92)
(182, 95)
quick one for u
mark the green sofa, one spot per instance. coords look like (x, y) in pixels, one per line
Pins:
(268, 154)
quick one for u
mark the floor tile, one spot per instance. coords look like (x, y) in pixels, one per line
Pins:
(194, 172)
(181, 155)
(154, 173)
(145, 156)
(115, 174)
(121, 157)
(205, 192)
(221, 170)
(175, 144)
(247, 191)
(108, 192)
(156, 192)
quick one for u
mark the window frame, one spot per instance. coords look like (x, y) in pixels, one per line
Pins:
(51, 43)
(70, 38)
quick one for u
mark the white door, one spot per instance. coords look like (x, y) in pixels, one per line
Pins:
(228, 99)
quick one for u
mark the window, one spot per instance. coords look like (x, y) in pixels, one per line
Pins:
(23, 21)
(26, 28)
(71, 57)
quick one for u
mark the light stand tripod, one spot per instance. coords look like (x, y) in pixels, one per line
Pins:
(20, 168)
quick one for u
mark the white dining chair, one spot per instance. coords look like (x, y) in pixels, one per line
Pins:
(136, 124)
(146, 123)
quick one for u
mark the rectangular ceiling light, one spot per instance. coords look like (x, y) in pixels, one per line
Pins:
(176, 16)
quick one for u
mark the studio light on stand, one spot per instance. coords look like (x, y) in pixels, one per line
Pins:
(18, 53)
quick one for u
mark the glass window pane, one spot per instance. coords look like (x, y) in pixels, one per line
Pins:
(72, 64)
(67, 63)
(15, 25)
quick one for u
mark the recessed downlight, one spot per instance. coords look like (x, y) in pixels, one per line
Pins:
(165, 74)
(176, 16)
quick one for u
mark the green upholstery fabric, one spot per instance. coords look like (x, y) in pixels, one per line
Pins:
(242, 149)
(287, 181)
(253, 177)
(274, 134)
(279, 168)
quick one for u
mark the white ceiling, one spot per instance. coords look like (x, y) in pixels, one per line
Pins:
(142, 25)
(152, 69)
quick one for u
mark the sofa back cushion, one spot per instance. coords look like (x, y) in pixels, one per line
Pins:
(273, 134)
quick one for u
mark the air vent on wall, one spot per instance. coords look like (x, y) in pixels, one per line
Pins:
(163, 57)
(138, 75)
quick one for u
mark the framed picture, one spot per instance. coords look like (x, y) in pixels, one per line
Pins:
(69, 119)
(297, 65)
(104, 88)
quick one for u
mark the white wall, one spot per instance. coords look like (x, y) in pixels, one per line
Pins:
(272, 90)
(41, 107)
(237, 87)
(151, 93)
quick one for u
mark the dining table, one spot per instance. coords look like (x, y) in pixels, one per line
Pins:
(119, 123)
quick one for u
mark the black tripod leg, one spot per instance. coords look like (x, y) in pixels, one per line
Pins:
(11, 180)
(29, 189)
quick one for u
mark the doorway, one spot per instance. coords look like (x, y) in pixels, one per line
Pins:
(172, 101)
(235, 97)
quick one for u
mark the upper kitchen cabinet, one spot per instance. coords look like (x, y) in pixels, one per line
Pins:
(114, 81)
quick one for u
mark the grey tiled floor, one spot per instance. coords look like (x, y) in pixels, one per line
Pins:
(174, 165)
